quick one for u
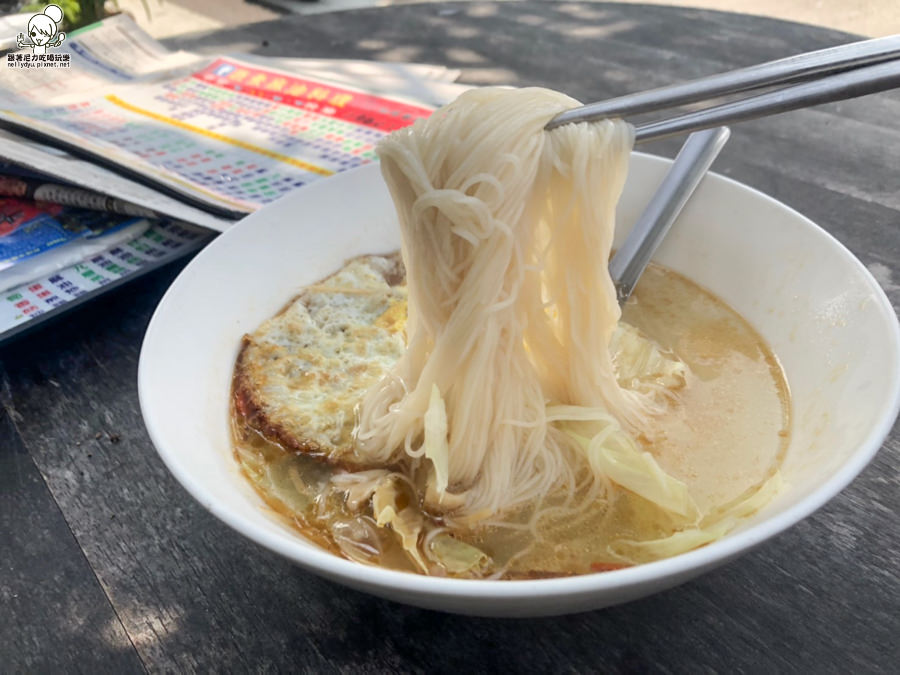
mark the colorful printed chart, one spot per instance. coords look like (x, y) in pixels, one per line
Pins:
(28, 229)
(234, 133)
(164, 241)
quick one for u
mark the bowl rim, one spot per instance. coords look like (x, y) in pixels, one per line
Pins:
(359, 575)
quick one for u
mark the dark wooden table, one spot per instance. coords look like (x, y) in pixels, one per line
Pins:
(106, 564)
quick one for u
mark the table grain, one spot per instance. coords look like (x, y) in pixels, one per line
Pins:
(107, 565)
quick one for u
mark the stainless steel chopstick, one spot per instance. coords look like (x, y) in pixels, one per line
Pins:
(790, 69)
(850, 84)
(688, 169)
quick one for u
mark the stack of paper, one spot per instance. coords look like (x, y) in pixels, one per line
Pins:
(188, 139)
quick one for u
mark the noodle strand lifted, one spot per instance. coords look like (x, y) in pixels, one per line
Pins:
(506, 232)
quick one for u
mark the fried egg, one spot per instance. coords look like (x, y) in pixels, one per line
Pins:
(301, 374)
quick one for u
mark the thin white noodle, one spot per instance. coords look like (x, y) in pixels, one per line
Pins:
(505, 231)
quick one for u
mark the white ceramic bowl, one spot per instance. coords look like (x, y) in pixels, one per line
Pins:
(823, 313)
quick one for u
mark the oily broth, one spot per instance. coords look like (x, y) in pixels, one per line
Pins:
(291, 484)
(727, 435)
(731, 429)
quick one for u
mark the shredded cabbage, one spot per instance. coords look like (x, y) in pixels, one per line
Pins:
(437, 449)
(612, 453)
(755, 501)
(359, 486)
(713, 527)
(679, 542)
(357, 538)
(456, 556)
(402, 515)
(294, 481)
(641, 364)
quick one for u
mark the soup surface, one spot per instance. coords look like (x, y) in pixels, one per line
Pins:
(723, 432)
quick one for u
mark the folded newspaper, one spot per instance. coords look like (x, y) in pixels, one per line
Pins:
(206, 140)
(196, 140)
